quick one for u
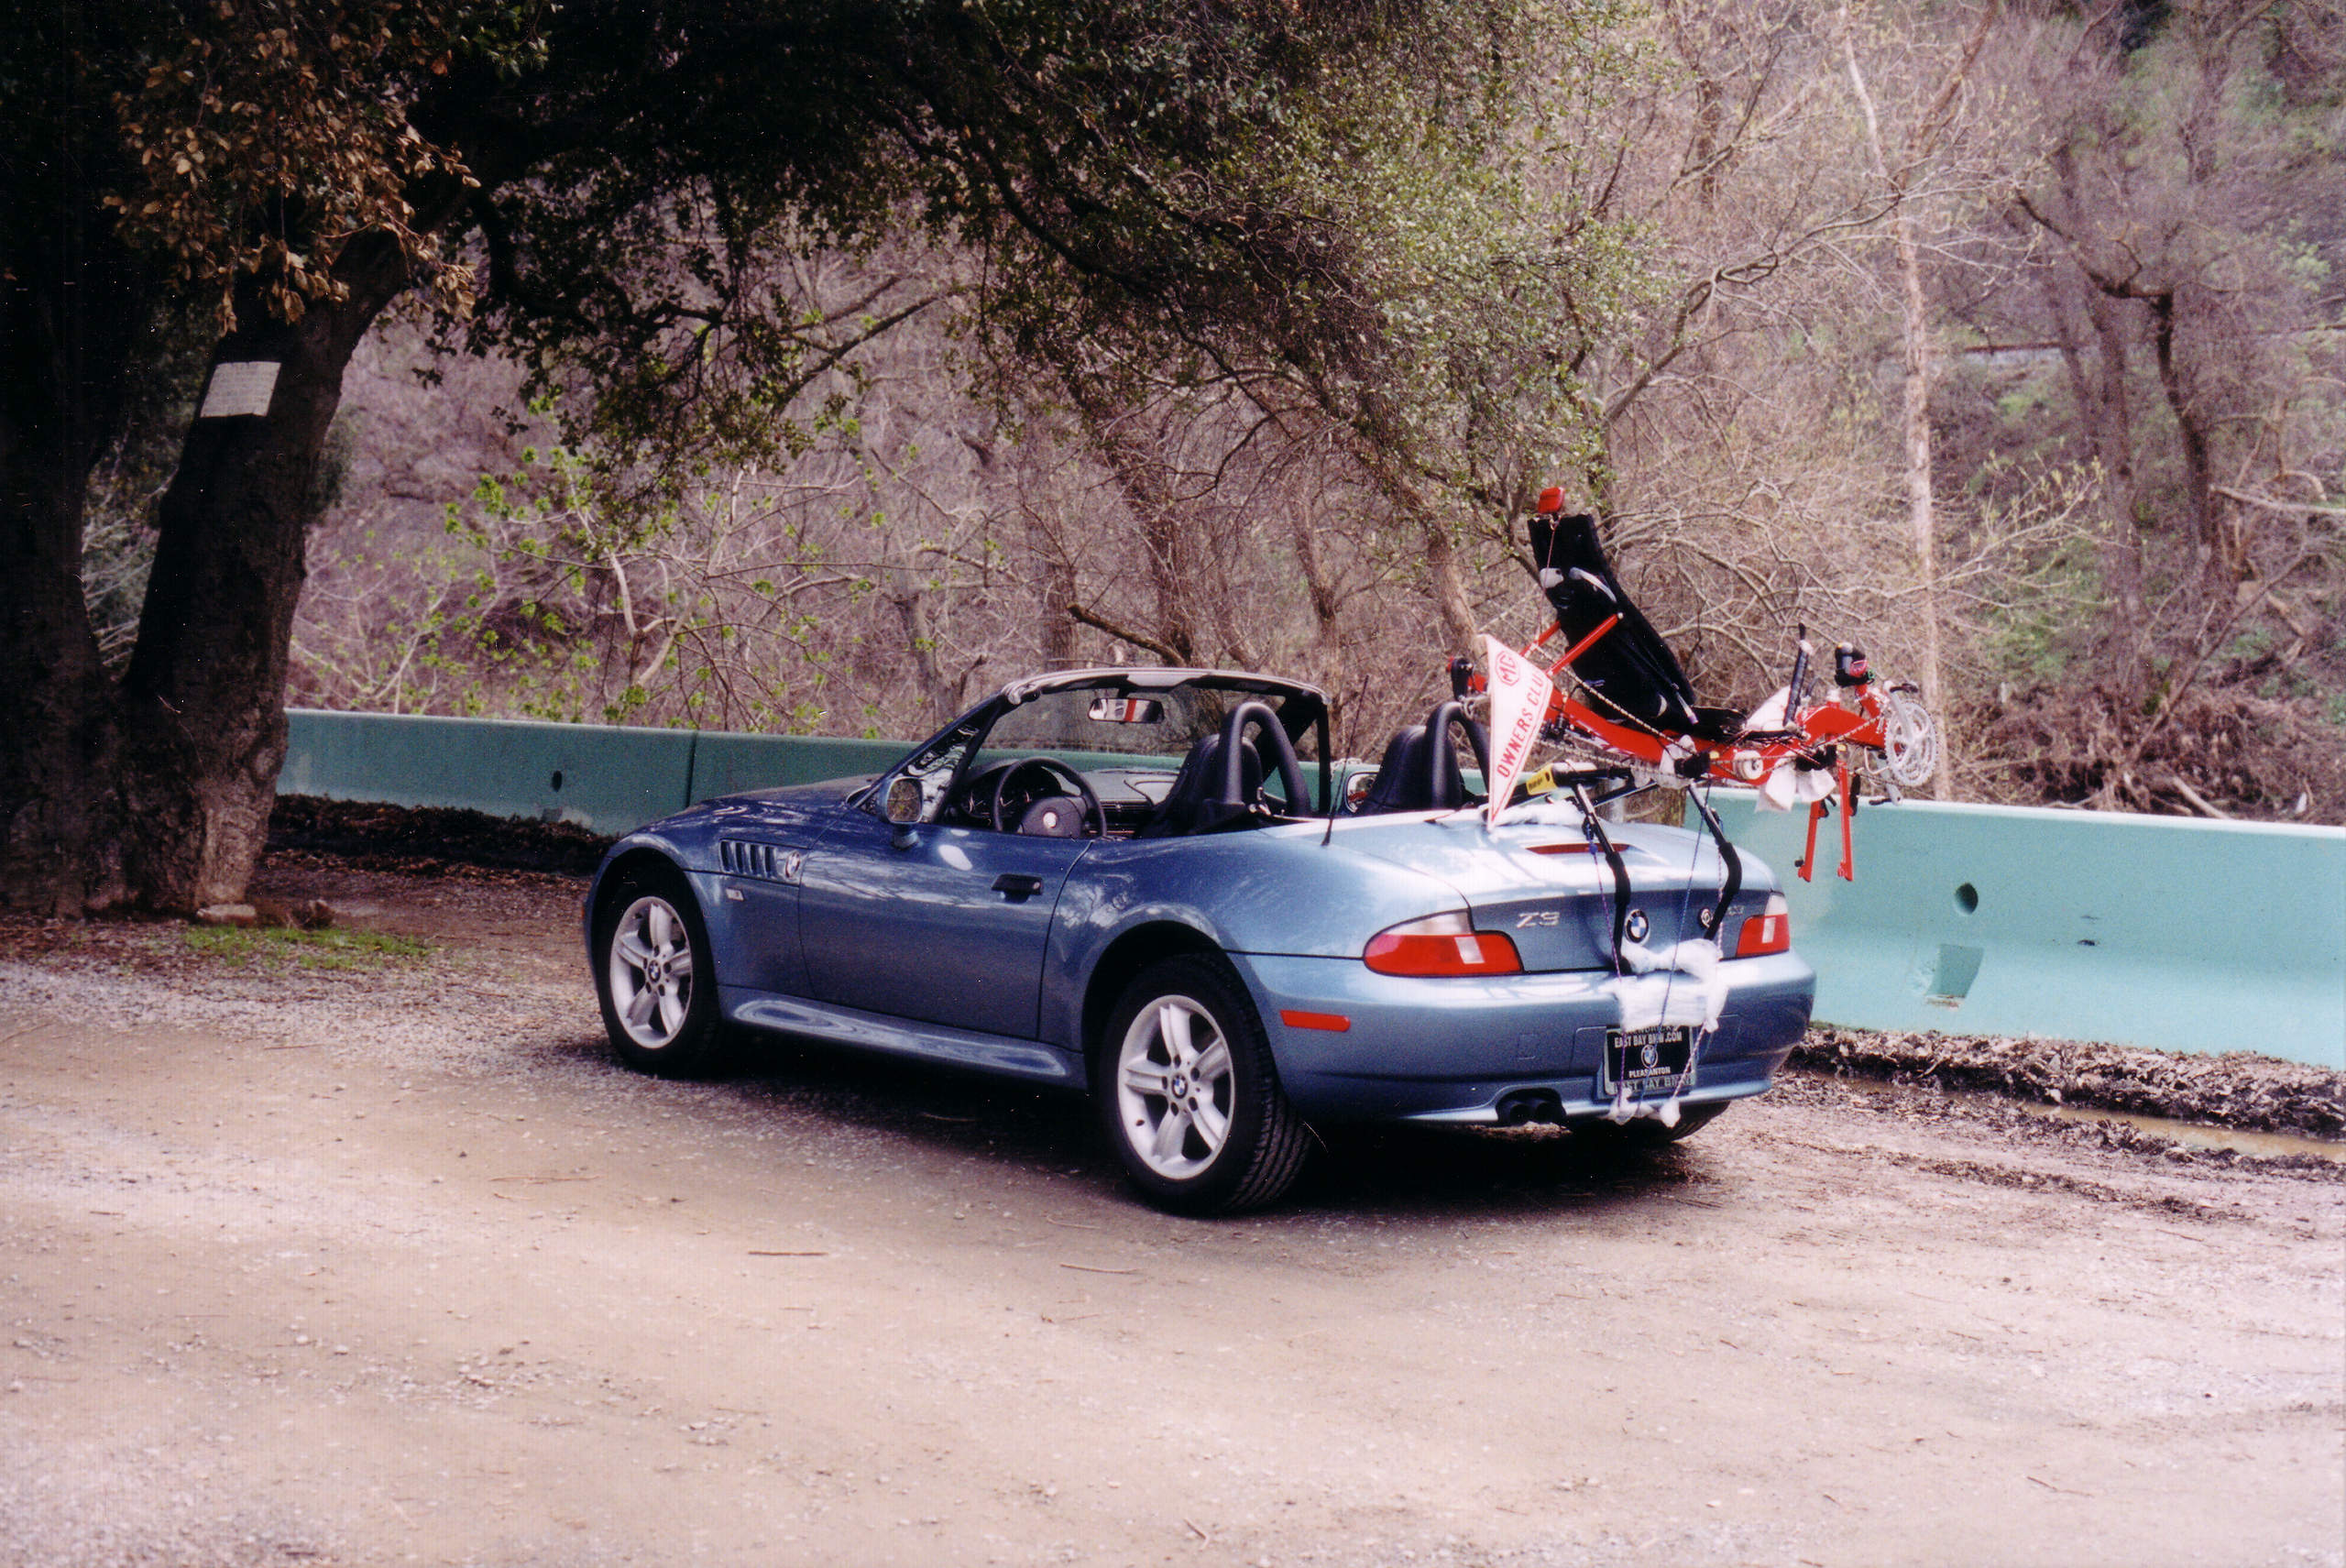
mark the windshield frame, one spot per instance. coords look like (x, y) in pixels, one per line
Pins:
(1300, 707)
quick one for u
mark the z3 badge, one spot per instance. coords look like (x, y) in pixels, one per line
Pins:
(1535, 917)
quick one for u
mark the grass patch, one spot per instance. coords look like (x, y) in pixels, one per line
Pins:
(280, 947)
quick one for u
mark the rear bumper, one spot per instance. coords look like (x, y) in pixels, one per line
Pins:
(1448, 1050)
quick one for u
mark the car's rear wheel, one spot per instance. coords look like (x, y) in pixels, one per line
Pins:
(652, 975)
(1189, 1095)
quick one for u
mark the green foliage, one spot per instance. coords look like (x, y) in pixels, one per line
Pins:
(270, 133)
(287, 947)
(1327, 197)
(1379, 238)
(559, 597)
(2047, 615)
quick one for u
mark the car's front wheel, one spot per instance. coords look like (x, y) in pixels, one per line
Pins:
(652, 975)
(1189, 1095)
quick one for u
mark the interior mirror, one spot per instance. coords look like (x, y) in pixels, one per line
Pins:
(904, 801)
(1127, 710)
(1357, 784)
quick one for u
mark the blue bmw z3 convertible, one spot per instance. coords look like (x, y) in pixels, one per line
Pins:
(1144, 885)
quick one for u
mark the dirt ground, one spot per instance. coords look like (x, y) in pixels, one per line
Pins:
(370, 1256)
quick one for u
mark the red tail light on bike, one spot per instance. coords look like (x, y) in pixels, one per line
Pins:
(1441, 945)
(1770, 931)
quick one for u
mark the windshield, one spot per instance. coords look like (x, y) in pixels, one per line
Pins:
(1161, 725)
(1097, 726)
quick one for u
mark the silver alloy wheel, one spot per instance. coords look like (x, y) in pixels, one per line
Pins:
(650, 971)
(1175, 1091)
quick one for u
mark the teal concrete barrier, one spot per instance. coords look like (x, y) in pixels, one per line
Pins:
(728, 764)
(606, 778)
(2170, 932)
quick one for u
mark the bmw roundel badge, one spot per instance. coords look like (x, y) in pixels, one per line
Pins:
(1636, 926)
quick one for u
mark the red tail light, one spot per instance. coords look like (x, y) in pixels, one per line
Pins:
(1441, 945)
(1770, 931)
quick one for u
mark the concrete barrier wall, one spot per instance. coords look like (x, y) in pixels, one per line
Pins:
(724, 764)
(2170, 932)
(606, 778)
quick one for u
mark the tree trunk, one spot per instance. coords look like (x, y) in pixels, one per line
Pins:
(1138, 467)
(2219, 564)
(59, 853)
(920, 639)
(1060, 588)
(1445, 579)
(1449, 584)
(2107, 406)
(58, 849)
(202, 702)
(1165, 539)
(1921, 501)
(2097, 378)
(1324, 664)
(72, 305)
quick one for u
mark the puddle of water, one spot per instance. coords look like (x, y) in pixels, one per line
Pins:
(2191, 1135)
(2199, 1136)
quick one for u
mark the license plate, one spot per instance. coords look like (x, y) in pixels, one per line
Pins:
(1647, 1061)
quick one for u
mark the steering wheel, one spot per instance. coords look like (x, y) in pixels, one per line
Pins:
(1050, 767)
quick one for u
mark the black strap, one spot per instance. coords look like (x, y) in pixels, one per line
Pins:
(1594, 829)
(1733, 883)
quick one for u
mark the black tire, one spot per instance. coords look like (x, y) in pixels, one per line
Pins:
(680, 1034)
(1161, 1119)
(1646, 1133)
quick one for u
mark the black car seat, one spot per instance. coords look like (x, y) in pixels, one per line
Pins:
(1198, 784)
(1631, 673)
(1420, 771)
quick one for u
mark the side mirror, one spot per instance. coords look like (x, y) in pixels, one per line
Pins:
(904, 802)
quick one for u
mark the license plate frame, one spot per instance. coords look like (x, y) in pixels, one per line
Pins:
(1627, 1070)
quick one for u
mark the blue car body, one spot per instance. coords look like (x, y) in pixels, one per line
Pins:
(956, 942)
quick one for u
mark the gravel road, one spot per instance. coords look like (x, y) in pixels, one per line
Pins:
(389, 1263)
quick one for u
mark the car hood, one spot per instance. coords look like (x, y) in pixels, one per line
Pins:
(824, 792)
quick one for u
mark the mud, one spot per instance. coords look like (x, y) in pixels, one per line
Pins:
(2257, 1094)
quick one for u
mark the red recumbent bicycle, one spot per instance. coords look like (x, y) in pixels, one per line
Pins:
(1628, 695)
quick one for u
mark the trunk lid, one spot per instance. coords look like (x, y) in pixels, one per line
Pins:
(1542, 887)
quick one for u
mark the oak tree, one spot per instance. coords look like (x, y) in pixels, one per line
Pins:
(595, 182)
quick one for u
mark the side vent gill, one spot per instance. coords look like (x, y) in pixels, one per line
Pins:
(743, 856)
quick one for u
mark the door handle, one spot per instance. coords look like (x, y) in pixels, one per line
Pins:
(1017, 884)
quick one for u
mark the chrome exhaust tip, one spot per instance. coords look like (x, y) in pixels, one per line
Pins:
(1520, 1107)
